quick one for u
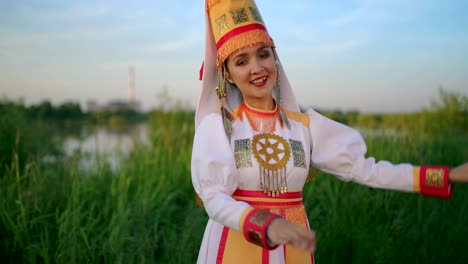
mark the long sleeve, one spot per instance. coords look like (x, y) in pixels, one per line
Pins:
(340, 150)
(214, 173)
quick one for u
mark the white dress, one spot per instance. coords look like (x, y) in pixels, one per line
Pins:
(261, 156)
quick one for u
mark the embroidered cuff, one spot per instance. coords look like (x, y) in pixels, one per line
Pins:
(433, 181)
(255, 227)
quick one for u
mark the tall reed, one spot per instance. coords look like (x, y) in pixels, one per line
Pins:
(145, 211)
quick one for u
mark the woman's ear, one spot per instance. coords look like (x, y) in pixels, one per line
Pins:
(227, 76)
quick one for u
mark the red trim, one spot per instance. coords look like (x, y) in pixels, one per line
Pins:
(260, 194)
(237, 31)
(284, 252)
(222, 245)
(272, 204)
(311, 254)
(265, 256)
(255, 231)
(201, 71)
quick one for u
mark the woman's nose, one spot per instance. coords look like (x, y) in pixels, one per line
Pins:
(257, 67)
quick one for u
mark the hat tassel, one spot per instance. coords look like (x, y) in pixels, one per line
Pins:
(278, 93)
(221, 92)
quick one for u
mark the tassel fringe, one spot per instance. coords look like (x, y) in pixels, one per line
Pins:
(245, 39)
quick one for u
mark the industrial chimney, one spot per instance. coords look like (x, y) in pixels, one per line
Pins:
(131, 85)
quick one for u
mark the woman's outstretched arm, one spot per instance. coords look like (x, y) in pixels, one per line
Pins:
(459, 173)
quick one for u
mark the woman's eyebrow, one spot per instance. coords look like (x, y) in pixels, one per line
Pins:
(263, 47)
(240, 55)
(243, 54)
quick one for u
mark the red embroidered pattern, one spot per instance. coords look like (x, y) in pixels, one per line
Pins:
(263, 122)
(255, 227)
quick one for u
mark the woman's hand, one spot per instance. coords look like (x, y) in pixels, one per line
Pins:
(281, 231)
(459, 174)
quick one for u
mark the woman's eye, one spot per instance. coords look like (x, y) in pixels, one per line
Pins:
(240, 63)
(265, 55)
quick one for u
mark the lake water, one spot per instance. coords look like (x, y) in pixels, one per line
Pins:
(113, 145)
(105, 143)
(366, 132)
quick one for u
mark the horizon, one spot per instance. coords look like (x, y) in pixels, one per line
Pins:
(366, 56)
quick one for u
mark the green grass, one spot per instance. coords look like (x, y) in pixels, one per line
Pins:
(357, 224)
(145, 212)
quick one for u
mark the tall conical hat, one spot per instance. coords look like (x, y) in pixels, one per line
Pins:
(232, 25)
(236, 24)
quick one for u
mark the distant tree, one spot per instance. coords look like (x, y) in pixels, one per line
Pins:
(448, 113)
(166, 102)
(69, 110)
(22, 139)
(45, 110)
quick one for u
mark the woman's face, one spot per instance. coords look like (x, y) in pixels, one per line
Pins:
(253, 70)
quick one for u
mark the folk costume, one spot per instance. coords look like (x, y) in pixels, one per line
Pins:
(249, 165)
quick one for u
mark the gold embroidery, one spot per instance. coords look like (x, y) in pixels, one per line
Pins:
(242, 153)
(260, 217)
(255, 14)
(302, 118)
(239, 16)
(212, 3)
(296, 215)
(255, 237)
(435, 177)
(222, 24)
(272, 153)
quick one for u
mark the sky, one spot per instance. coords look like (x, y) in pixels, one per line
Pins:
(364, 55)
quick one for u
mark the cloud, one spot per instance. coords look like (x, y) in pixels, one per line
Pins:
(338, 47)
(69, 14)
(369, 14)
(123, 65)
(174, 46)
(346, 19)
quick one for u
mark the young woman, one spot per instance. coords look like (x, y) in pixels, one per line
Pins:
(253, 148)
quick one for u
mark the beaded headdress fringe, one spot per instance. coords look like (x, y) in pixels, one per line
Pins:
(242, 40)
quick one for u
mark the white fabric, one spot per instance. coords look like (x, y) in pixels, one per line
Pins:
(208, 101)
(328, 145)
(214, 172)
(340, 150)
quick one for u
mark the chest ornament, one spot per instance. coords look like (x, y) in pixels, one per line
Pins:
(272, 152)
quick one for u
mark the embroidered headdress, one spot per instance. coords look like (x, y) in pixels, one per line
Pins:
(230, 26)
(236, 24)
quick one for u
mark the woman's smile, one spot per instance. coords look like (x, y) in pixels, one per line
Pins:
(260, 82)
(253, 70)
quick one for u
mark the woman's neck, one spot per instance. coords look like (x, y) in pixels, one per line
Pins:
(266, 105)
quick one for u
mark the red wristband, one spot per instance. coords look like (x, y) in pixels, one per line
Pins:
(255, 227)
(433, 181)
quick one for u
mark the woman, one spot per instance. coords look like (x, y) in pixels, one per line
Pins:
(253, 148)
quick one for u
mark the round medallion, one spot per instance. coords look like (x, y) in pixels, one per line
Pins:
(271, 151)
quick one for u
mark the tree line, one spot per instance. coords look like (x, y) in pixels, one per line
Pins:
(446, 115)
